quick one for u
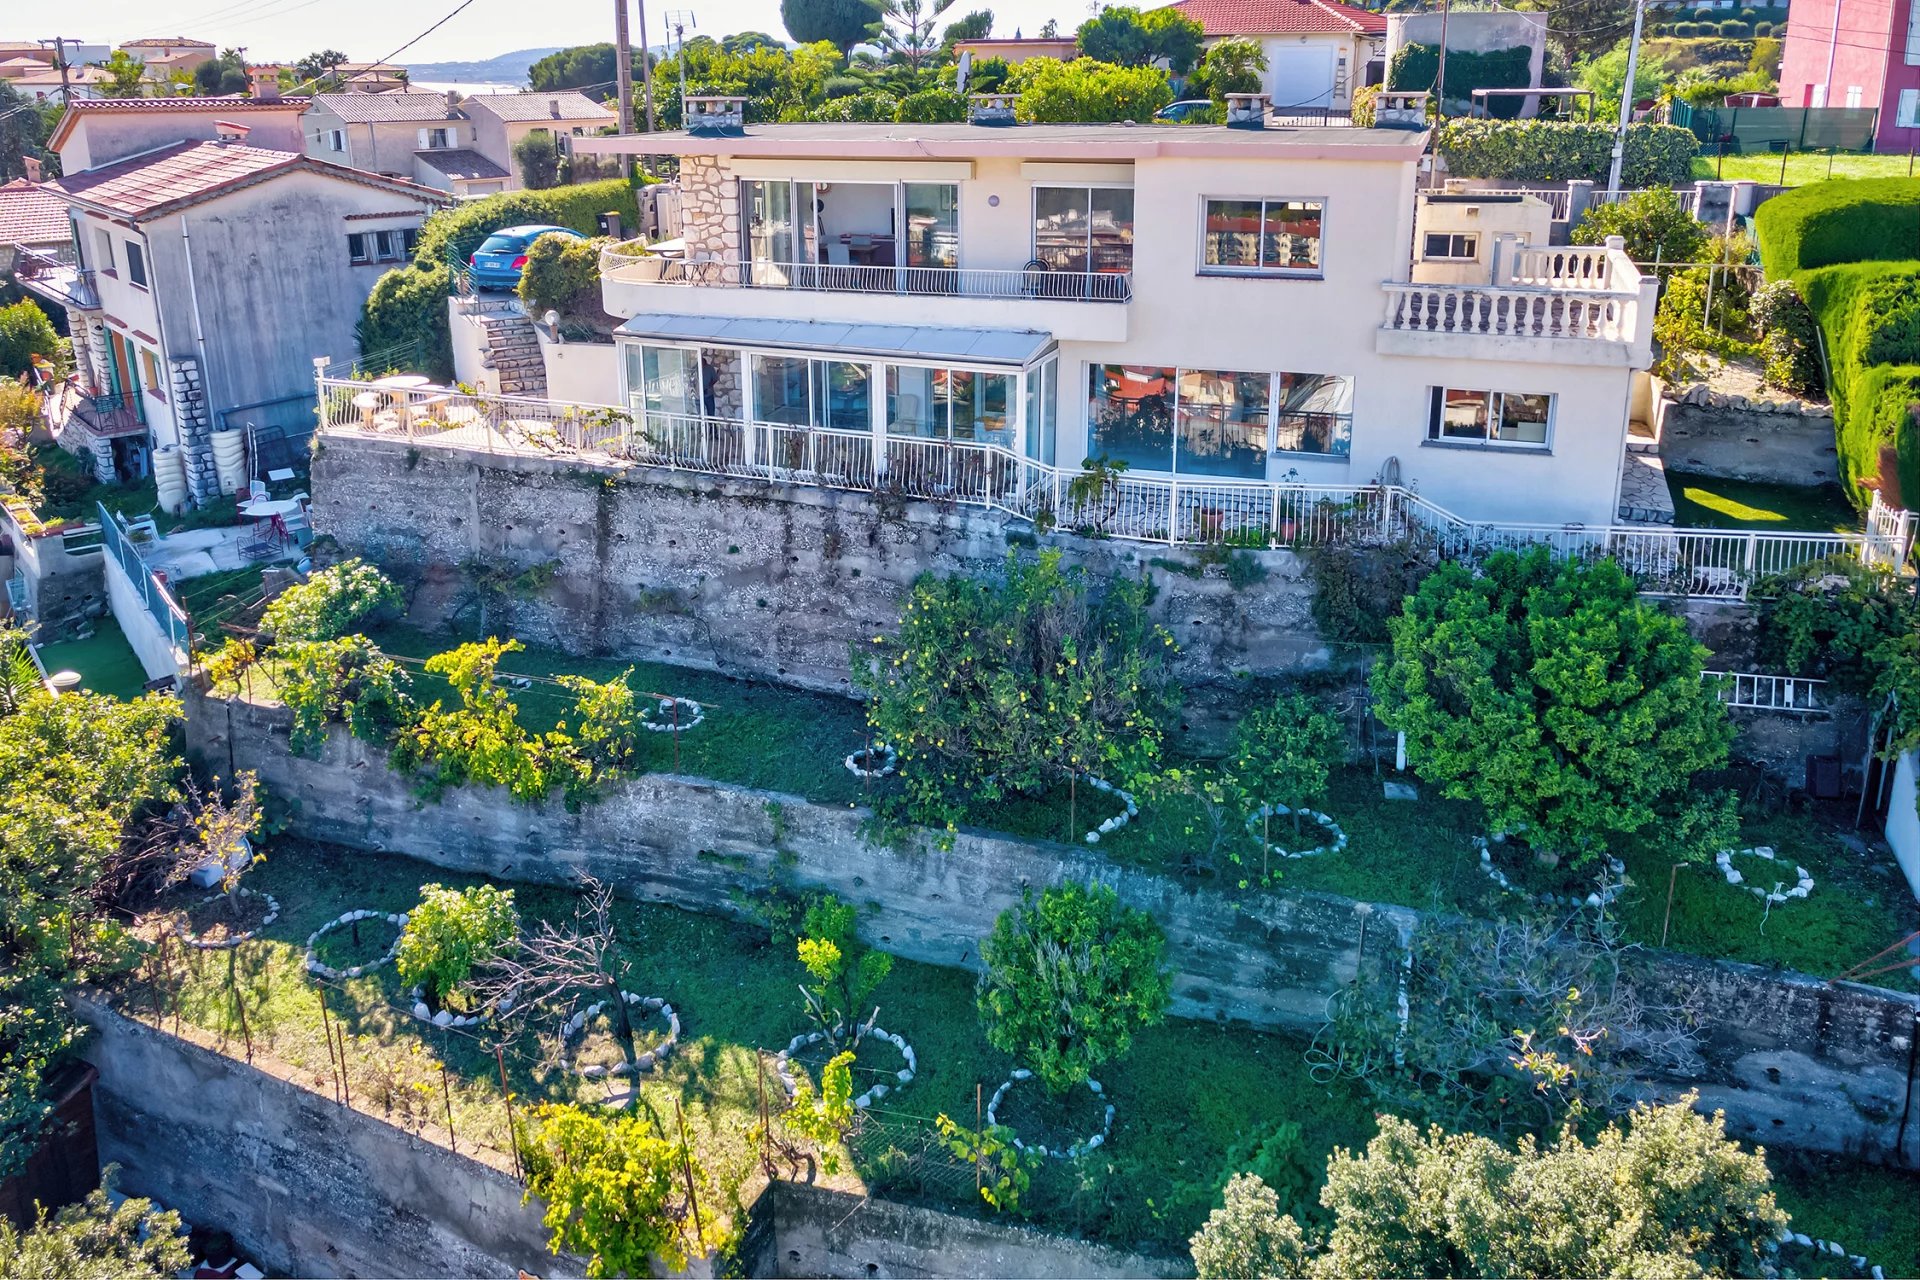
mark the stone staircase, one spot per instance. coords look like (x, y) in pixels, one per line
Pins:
(513, 353)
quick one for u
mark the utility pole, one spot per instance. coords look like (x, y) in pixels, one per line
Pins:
(622, 67)
(59, 44)
(1626, 101)
(646, 68)
(1440, 75)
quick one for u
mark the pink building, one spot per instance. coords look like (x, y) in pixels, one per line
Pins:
(1857, 53)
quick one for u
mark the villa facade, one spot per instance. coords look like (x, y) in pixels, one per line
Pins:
(1219, 305)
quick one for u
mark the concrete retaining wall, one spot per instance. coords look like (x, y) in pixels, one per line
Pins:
(1772, 448)
(305, 1186)
(1794, 1061)
(737, 576)
(150, 644)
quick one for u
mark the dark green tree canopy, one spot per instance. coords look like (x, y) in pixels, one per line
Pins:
(1572, 710)
(1127, 37)
(588, 67)
(841, 23)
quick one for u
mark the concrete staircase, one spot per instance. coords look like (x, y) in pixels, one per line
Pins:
(513, 353)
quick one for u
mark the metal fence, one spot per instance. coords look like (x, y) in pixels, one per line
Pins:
(1170, 510)
(166, 611)
(1766, 129)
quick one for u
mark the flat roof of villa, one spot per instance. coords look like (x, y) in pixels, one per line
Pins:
(1029, 141)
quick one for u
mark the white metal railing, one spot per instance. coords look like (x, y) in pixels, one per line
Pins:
(618, 263)
(1175, 510)
(1688, 198)
(1556, 198)
(1768, 693)
(166, 611)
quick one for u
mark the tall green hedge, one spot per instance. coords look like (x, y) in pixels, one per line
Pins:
(462, 227)
(1656, 155)
(1869, 313)
(1823, 223)
(409, 305)
(1416, 67)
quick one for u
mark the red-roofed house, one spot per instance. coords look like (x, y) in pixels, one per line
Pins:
(203, 279)
(1318, 51)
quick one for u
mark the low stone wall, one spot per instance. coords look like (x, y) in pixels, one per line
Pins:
(735, 576)
(1774, 443)
(1793, 1061)
(305, 1186)
(802, 1231)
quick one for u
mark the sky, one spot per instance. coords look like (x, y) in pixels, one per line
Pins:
(282, 30)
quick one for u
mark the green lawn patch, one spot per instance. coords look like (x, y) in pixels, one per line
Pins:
(1709, 502)
(105, 661)
(1802, 167)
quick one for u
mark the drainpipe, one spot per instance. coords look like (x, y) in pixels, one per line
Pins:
(1833, 48)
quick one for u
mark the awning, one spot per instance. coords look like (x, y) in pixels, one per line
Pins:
(1012, 347)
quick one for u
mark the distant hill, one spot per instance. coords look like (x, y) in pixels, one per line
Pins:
(508, 68)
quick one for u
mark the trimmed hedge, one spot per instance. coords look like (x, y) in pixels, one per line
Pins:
(1560, 151)
(460, 229)
(1824, 223)
(932, 106)
(1870, 315)
(409, 305)
(563, 274)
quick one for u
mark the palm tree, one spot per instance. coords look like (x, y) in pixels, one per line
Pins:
(907, 29)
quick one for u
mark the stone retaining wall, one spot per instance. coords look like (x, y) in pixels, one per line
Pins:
(733, 575)
(1794, 1061)
(1769, 441)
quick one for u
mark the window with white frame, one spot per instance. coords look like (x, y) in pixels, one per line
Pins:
(150, 375)
(136, 264)
(336, 139)
(359, 247)
(1853, 95)
(387, 245)
(1913, 36)
(1261, 237)
(105, 242)
(436, 139)
(1451, 246)
(1907, 111)
(1500, 419)
(1083, 229)
(1214, 422)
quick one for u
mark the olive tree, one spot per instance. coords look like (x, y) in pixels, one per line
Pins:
(1285, 754)
(1071, 976)
(1569, 708)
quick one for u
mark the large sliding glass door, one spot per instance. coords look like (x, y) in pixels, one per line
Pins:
(850, 235)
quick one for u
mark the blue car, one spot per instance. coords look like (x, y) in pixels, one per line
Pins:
(497, 262)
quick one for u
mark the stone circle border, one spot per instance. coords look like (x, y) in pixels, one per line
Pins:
(1078, 1149)
(1595, 899)
(859, 763)
(327, 971)
(783, 1065)
(1833, 1248)
(1118, 820)
(652, 723)
(1325, 821)
(1724, 860)
(645, 1062)
(228, 944)
(448, 1018)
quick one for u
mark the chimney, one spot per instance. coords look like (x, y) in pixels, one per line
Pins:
(226, 133)
(1400, 110)
(266, 83)
(453, 99)
(1247, 110)
(991, 108)
(31, 164)
(716, 115)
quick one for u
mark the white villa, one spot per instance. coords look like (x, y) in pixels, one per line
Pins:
(1227, 307)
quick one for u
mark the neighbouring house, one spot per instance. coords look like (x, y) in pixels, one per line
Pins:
(1231, 310)
(1013, 49)
(1318, 51)
(33, 224)
(201, 277)
(165, 55)
(1857, 53)
(50, 84)
(501, 120)
(422, 137)
(91, 134)
(371, 77)
(1474, 31)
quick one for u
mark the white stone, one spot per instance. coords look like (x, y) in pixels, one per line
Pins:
(443, 1019)
(421, 1011)
(904, 1077)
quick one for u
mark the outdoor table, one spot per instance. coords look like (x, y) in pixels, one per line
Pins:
(368, 403)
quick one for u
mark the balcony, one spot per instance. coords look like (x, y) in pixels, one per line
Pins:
(56, 276)
(1561, 306)
(1070, 305)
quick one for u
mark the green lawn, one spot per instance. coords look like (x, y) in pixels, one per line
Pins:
(1185, 1096)
(1418, 855)
(1803, 167)
(1708, 502)
(106, 661)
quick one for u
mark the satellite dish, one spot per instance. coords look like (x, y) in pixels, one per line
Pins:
(965, 69)
(1390, 471)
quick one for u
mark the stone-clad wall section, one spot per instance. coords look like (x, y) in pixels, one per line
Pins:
(734, 575)
(710, 208)
(1792, 1060)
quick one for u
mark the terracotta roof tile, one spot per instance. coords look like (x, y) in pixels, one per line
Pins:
(1281, 17)
(171, 177)
(531, 108)
(134, 106)
(362, 108)
(29, 214)
(460, 162)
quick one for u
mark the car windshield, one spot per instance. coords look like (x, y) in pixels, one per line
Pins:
(499, 244)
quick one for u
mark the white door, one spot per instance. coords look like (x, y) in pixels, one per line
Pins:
(1300, 76)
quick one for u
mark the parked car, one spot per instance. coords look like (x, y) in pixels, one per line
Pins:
(1185, 111)
(497, 262)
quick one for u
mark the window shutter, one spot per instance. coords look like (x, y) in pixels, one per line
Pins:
(423, 139)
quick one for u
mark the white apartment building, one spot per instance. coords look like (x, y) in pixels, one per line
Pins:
(1228, 307)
